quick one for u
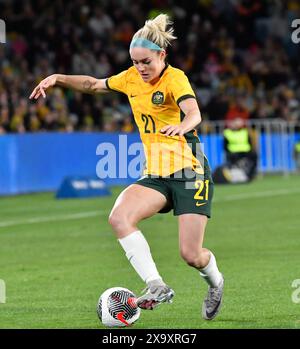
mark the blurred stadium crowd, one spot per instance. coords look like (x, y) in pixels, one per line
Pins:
(238, 55)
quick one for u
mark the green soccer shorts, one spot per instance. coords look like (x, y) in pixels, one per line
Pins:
(184, 194)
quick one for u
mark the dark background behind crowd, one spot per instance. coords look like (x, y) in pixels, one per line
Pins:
(238, 55)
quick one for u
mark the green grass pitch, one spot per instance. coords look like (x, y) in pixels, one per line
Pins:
(57, 257)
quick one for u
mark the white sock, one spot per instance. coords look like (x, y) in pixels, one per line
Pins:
(211, 273)
(138, 253)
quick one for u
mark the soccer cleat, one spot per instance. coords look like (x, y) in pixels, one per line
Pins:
(212, 303)
(156, 293)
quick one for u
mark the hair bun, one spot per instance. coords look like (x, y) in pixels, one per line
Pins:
(156, 31)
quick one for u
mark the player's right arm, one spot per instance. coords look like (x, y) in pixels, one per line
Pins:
(81, 83)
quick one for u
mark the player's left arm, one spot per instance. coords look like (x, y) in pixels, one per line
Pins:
(190, 121)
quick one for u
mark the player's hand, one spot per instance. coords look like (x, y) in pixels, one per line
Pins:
(43, 86)
(172, 130)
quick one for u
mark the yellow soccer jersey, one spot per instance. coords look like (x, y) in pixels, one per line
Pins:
(155, 106)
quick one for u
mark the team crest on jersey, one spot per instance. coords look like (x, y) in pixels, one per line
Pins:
(158, 97)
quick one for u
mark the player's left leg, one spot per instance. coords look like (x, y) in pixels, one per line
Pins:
(134, 204)
(191, 235)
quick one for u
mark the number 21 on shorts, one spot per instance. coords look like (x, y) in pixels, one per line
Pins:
(200, 194)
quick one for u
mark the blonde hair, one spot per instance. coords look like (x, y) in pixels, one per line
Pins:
(156, 31)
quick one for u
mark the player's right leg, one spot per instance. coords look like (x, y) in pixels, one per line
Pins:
(134, 204)
(191, 235)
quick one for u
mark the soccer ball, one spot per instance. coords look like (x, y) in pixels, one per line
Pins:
(117, 307)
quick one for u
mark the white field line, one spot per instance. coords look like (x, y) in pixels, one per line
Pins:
(46, 219)
(88, 214)
(259, 194)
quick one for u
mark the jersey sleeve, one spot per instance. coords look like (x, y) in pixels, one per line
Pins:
(181, 88)
(118, 82)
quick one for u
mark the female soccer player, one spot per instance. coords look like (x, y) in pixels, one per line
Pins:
(176, 175)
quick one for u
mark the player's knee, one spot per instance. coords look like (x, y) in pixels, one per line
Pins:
(194, 258)
(188, 256)
(117, 220)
